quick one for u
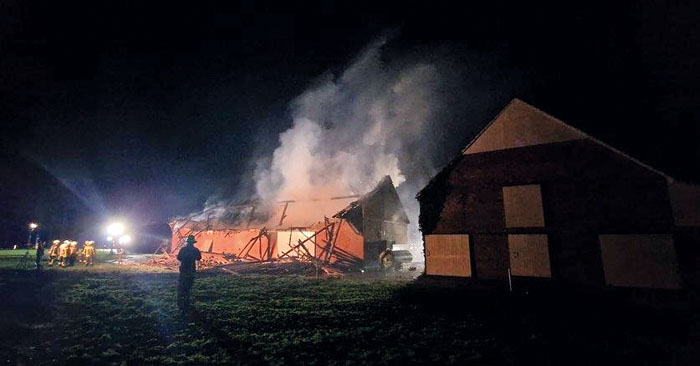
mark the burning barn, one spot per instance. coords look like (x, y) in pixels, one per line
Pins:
(537, 198)
(348, 231)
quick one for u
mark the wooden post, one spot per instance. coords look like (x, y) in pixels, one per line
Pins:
(284, 213)
(329, 255)
(251, 244)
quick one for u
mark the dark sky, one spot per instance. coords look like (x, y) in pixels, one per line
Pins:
(144, 110)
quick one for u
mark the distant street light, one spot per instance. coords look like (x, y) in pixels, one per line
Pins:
(32, 227)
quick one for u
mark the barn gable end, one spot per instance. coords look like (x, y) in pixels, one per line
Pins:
(536, 197)
(519, 124)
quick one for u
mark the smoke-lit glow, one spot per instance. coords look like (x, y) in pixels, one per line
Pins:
(351, 130)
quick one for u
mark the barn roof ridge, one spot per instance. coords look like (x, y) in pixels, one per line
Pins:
(559, 121)
(386, 180)
(588, 136)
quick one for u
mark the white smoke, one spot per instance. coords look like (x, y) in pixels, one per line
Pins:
(374, 119)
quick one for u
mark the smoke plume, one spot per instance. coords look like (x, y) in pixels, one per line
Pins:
(376, 118)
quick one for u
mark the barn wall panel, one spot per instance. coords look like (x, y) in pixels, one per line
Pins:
(529, 255)
(491, 256)
(685, 200)
(349, 246)
(373, 230)
(575, 257)
(523, 206)
(224, 242)
(640, 261)
(447, 255)
(396, 232)
(471, 208)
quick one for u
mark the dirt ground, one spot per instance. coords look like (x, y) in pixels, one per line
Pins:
(128, 317)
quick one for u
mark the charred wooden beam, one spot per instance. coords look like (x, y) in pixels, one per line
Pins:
(284, 213)
(301, 242)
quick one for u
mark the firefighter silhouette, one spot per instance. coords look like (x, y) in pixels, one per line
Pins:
(188, 257)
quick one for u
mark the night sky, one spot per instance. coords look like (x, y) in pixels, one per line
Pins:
(145, 111)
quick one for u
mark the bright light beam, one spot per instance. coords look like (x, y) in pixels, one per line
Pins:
(115, 229)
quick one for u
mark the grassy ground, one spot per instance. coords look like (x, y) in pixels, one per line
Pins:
(13, 259)
(110, 317)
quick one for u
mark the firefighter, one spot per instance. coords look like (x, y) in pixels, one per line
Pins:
(39, 253)
(63, 253)
(120, 254)
(89, 253)
(53, 252)
(81, 252)
(188, 257)
(72, 253)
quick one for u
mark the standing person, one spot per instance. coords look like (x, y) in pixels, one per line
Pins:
(120, 254)
(39, 253)
(53, 252)
(188, 257)
(72, 253)
(89, 253)
(63, 253)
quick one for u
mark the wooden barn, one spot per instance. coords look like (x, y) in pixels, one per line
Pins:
(349, 231)
(538, 198)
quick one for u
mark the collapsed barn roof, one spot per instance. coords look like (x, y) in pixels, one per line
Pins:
(283, 215)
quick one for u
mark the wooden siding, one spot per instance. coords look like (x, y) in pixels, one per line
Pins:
(223, 242)
(685, 200)
(523, 206)
(522, 125)
(491, 257)
(447, 255)
(640, 261)
(583, 185)
(529, 255)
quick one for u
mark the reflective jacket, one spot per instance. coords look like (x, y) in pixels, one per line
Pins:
(63, 250)
(88, 250)
(53, 251)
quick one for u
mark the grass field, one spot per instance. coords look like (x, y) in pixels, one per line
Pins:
(12, 259)
(126, 318)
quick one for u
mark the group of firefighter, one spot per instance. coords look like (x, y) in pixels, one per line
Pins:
(66, 253)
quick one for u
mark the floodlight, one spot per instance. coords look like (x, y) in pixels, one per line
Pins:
(115, 229)
(125, 239)
(33, 225)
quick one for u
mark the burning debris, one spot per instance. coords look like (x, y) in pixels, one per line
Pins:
(352, 129)
(208, 261)
(346, 232)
